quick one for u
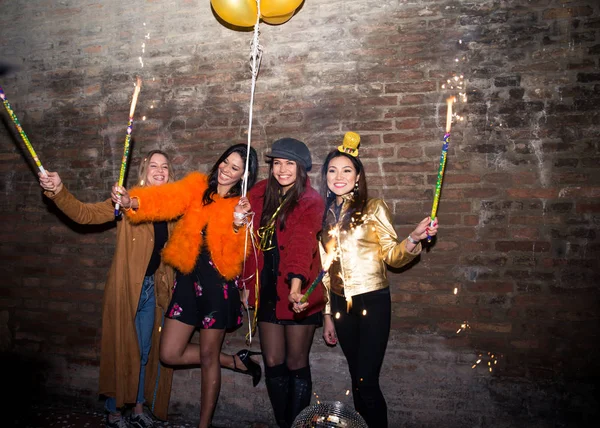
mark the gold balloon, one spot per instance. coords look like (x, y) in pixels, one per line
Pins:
(276, 20)
(272, 8)
(236, 12)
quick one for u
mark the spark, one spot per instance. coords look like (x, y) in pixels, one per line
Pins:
(492, 360)
(463, 327)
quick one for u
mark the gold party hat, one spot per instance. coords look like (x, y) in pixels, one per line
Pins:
(350, 144)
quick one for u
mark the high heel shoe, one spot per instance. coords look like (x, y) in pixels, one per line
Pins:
(252, 369)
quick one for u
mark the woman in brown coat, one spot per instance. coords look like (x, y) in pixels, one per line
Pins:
(136, 296)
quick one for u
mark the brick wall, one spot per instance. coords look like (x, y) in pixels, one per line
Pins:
(519, 209)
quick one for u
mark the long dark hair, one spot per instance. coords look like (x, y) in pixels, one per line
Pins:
(273, 196)
(359, 201)
(236, 190)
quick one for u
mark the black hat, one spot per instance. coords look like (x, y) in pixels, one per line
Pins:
(292, 149)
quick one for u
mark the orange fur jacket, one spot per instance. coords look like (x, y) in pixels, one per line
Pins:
(182, 200)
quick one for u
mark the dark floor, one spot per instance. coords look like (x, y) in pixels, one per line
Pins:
(63, 415)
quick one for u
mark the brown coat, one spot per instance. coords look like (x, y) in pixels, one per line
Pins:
(119, 353)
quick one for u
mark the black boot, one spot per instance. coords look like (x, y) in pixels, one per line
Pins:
(300, 392)
(277, 380)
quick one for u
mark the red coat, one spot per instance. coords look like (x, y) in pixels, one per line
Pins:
(298, 251)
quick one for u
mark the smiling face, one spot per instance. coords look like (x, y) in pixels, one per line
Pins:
(285, 172)
(158, 170)
(230, 171)
(341, 176)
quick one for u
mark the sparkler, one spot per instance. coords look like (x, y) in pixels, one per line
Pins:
(326, 263)
(446, 140)
(15, 120)
(136, 92)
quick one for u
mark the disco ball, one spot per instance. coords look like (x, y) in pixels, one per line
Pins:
(329, 414)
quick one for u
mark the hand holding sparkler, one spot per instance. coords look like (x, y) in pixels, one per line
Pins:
(300, 301)
(425, 229)
(50, 182)
(136, 92)
(446, 140)
(120, 197)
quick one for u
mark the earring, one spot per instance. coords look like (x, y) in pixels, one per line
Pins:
(328, 193)
(355, 191)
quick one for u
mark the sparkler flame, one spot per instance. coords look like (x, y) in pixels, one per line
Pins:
(331, 254)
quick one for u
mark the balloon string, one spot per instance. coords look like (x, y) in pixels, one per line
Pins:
(254, 243)
(256, 54)
(256, 59)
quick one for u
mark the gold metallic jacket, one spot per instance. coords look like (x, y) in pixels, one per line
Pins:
(365, 250)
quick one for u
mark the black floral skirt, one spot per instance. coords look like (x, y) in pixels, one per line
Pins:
(205, 299)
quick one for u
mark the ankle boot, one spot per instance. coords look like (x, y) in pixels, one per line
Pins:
(300, 392)
(277, 381)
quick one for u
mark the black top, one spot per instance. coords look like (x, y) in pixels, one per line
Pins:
(161, 234)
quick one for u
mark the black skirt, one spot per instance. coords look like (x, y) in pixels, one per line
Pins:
(205, 299)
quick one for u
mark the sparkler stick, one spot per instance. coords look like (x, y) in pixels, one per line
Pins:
(15, 120)
(326, 263)
(136, 92)
(312, 287)
(438, 184)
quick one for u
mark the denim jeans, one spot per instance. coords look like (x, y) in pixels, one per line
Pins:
(144, 323)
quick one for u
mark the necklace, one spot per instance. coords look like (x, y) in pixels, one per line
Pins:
(265, 233)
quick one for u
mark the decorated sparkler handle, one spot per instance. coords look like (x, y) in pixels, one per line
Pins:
(312, 287)
(440, 177)
(136, 93)
(124, 160)
(15, 120)
(438, 184)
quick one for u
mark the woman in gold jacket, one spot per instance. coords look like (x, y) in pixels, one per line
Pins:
(359, 310)
(136, 295)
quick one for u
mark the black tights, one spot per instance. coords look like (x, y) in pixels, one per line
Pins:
(363, 337)
(285, 350)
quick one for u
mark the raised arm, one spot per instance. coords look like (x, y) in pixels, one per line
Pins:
(165, 202)
(393, 251)
(79, 212)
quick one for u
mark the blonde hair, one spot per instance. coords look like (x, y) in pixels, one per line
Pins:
(143, 169)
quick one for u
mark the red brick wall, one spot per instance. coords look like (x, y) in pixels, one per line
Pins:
(519, 209)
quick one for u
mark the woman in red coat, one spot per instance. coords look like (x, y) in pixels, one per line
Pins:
(288, 214)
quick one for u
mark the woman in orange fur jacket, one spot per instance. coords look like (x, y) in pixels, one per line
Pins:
(207, 250)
